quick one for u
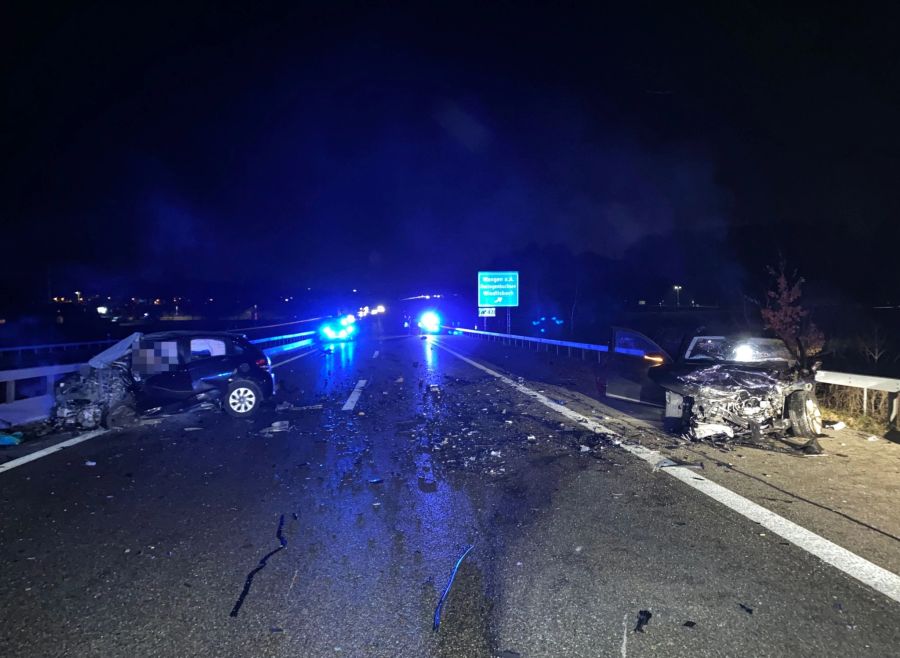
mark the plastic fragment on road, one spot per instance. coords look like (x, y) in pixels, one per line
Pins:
(689, 623)
(584, 448)
(13, 439)
(192, 429)
(669, 463)
(746, 608)
(872, 437)
(643, 619)
(376, 481)
(440, 604)
(709, 430)
(90, 463)
(837, 427)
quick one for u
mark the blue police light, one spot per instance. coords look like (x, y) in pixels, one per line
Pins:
(430, 322)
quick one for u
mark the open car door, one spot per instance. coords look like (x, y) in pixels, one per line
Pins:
(631, 356)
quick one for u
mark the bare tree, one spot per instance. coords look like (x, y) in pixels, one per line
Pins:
(873, 346)
(784, 315)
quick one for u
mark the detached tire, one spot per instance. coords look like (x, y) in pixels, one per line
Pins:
(805, 415)
(242, 399)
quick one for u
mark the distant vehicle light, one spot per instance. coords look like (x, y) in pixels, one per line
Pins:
(380, 308)
(102, 310)
(430, 322)
(348, 320)
(744, 353)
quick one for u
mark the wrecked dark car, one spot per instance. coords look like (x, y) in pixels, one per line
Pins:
(724, 388)
(172, 369)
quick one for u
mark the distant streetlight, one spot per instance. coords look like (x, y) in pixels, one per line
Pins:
(677, 290)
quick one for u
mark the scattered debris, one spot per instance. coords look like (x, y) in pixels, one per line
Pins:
(13, 439)
(837, 427)
(282, 544)
(872, 437)
(90, 463)
(277, 426)
(643, 620)
(669, 463)
(288, 406)
(584, 448)
(193, 429)
(376, 481)
(689, 624)
(440, 605)
(746, 608)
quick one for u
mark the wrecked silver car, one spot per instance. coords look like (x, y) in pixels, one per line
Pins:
(724, 388)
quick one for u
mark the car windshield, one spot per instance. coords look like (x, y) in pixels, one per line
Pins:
(744, 350)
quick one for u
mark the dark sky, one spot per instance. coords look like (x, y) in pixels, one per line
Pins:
(340, 143)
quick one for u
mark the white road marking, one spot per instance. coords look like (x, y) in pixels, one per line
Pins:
(294, 358)
(625, 636)
(375, 356)
(354, 396)
(869, 573)
(8, 466)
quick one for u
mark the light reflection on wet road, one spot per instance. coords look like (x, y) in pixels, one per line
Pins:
(378, 503)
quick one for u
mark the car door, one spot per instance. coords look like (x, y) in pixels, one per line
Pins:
(631, 356)
(209, 362)
(160, 364)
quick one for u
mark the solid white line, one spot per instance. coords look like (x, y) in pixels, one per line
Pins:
(354, 396)
(878, 578)
(375, 356)
(294, 358)
(8, 466)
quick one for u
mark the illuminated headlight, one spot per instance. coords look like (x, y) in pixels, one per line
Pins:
(348, 320)
(744, 353)
(379, 309)
(329, 331)
(430, 322)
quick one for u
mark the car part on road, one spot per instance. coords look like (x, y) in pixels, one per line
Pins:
(440, 604)
(643, 619)
(13, 439)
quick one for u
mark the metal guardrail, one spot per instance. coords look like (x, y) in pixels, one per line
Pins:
(512, 338)
(57, 346)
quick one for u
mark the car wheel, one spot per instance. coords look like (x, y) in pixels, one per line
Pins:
(242, 398)
(806, 417)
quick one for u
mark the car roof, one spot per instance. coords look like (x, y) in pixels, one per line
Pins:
(175, 335)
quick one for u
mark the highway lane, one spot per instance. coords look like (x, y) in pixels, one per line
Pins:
(363, 512)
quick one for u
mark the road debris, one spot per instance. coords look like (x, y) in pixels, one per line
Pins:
(13, 439)
(746, 608)
(642, 621)
(90, 463)
(193, 429)
(288, 406)
(872, 437)
(689, 624)
(440, 605)
(282, 544)
(277, 426)
(837, 427)
(669, 463)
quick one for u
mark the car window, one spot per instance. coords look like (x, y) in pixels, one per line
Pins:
(155, 357)
(204, 348)
(747, 350)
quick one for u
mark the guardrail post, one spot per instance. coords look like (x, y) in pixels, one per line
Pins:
(865, 401)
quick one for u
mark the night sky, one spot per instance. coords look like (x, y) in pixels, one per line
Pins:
(168, 147)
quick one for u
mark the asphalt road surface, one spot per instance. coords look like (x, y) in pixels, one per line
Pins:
(200, 535)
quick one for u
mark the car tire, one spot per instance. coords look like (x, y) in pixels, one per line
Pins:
(242, 399)
(805, 415)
